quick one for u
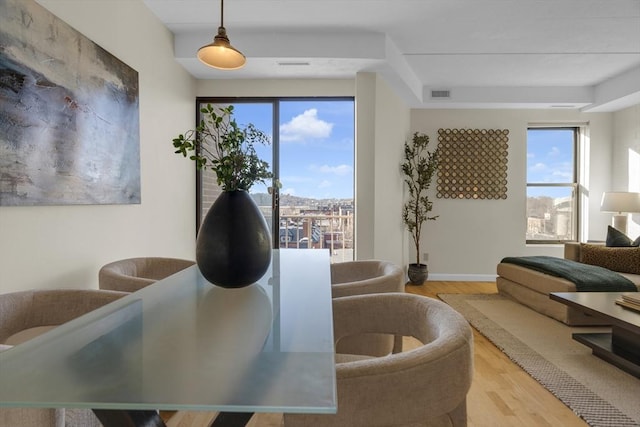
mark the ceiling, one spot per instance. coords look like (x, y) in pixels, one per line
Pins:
(582, 54)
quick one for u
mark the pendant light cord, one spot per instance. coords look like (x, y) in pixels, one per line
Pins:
(222, 13)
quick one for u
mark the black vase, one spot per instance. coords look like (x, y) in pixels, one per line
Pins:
(233, 248)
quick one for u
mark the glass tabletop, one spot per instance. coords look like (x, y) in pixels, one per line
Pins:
(185, 344)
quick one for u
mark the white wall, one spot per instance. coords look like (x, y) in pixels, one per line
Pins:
(626, 158)
(275, 87)
(471, 236)
(365, 155)
(392, 124)
(382, 125)
(64, 246)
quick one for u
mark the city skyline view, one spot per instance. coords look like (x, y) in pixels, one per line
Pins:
(550, 160)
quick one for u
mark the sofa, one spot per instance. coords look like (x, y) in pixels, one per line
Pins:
(531, 288)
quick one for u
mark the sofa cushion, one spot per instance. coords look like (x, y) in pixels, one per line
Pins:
(534, 280)
(620, 259)
(541, 303)
(616, 238)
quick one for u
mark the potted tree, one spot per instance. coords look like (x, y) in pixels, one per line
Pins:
(419, 167)
(233, 247)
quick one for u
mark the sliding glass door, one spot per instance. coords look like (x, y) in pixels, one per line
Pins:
(310, 202)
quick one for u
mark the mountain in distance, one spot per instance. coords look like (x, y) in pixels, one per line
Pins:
(264, 199)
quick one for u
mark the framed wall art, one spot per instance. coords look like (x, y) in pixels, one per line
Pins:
(473, 163)
(69, 115)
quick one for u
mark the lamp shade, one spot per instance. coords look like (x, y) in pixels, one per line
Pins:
(220, 54)
(620, 202)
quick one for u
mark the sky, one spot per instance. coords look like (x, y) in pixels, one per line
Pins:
(316, 145)
(550, 160)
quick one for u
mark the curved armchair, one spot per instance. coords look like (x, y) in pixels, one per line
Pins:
(25, 315)
(426, 386)
(130, 275)
(365, 277)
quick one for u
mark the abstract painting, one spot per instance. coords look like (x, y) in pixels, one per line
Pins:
(69, 115)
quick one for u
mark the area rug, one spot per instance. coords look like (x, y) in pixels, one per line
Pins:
(599, 393)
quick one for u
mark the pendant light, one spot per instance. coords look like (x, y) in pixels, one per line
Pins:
(220, 54)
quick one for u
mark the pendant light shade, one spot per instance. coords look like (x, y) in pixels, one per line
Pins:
(220, 54)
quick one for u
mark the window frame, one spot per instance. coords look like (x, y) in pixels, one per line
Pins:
(575, 186)
(275, 102)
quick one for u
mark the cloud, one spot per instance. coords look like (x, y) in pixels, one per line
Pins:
(305, 125)
(340, 170)
(563, 176)
(295, 179)
(561, 172)
(538, 167)
(324, 184)
(554, 152)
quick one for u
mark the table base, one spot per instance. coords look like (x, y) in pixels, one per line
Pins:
(121, 418)
(613, 348)
(231, 419)
(133, 418)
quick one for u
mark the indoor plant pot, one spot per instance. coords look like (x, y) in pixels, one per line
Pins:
(418, 273)
(419, 167)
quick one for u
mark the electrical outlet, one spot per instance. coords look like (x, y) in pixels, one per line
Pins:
(425, 257)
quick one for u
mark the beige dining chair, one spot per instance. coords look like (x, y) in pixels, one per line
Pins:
(425, 386)
(27, 314)
(367, 277)
(132, 274)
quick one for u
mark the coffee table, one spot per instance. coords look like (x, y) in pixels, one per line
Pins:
(620, 347)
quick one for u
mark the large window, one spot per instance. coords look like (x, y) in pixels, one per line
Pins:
(310, 202)
(552, 187)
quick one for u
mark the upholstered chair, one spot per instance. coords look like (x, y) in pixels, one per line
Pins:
(25, 315)
(130, 275)
(425, 386)
(367, 277)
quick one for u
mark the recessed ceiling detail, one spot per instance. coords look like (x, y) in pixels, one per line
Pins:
(488, 54)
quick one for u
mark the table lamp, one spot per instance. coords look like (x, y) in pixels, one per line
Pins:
(620, 203)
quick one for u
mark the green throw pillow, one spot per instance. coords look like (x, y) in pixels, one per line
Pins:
(616, 238)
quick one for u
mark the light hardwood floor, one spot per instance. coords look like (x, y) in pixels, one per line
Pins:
(502, 394)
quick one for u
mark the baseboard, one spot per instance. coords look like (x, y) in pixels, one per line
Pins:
(462, 277)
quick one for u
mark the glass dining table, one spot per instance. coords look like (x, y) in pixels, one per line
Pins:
(185, 344)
